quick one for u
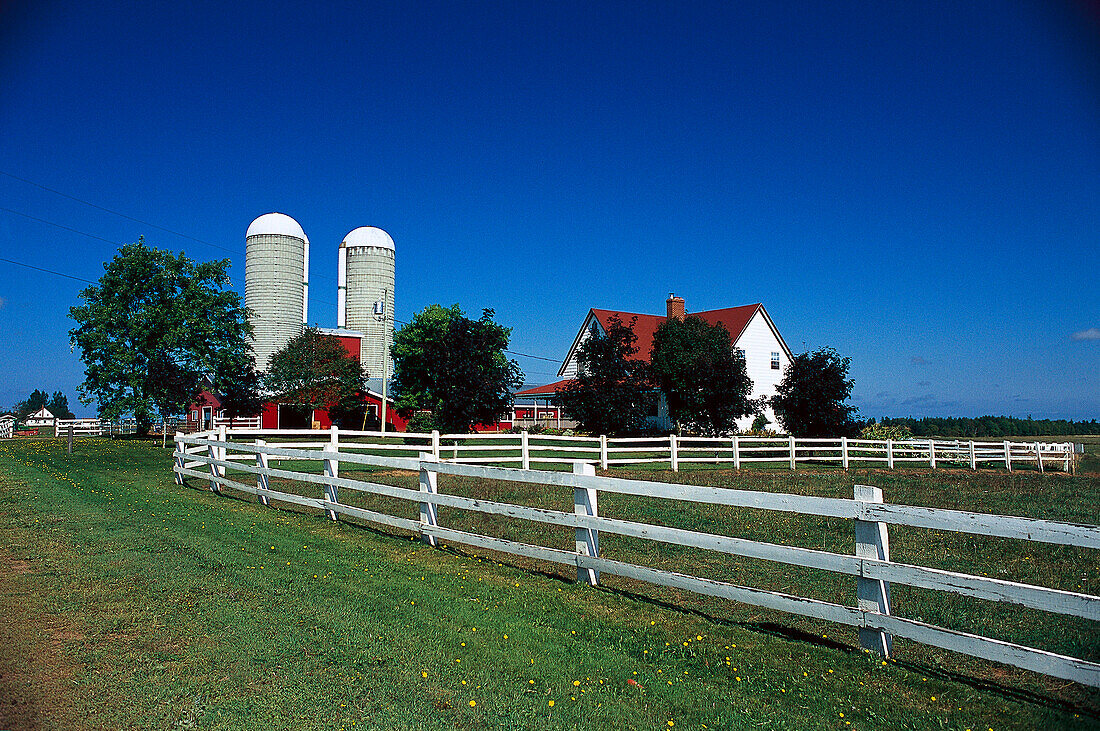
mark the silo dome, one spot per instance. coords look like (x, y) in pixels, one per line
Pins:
(368, 236)
(278, 224)
(276, 282)
(365, 294)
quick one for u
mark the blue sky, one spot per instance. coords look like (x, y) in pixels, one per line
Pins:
(914, 184)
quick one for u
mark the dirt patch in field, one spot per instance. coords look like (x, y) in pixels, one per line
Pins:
(36, 676)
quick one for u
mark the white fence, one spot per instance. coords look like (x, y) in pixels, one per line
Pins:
(527, 449)
(212, 458)
(104, 427)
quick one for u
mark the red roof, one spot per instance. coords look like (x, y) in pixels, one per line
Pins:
(548, 390)
(734, 319)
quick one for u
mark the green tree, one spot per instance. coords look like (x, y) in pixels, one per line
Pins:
(704, 382)
(35, 401)
(611, 394)
(313, 371)
(238, 384)
(59, 406)
(153, 327)
(810, 400)
(455, 367)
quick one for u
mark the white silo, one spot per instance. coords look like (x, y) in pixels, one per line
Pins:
(365, 294)
(276, 282)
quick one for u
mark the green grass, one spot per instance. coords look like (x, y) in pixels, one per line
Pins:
(134, 602)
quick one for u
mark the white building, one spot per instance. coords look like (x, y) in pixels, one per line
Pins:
(751, 330)
(42, 417)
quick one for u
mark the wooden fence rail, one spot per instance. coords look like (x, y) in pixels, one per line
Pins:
(216, 457)
(526, 449)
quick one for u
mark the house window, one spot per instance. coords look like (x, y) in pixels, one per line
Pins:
(739, 353)
(775, 361)
(194, 414)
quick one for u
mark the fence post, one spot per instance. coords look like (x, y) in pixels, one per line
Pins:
(70, 438)
(844, 451)
(794, 453)
(1008, 456)
(736, 453)
(429, 484)
(435, 443)
(932, 453)
(588, 539)
(890, 454)
(212, 453)
(603, 452)
(872, 542)
(673, 453)
(332, 469)
(222, 451)
(525, 449)
(261, 477)
(180, 450)
(1038, 457)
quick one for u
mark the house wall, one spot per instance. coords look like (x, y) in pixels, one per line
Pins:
(759, 342)
(569, 370)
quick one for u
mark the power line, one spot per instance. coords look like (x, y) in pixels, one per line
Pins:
(160, 228)
(510, 352)
(536, 357)
(88, 281)
(58, 225)
(116, 213)
(48, 271)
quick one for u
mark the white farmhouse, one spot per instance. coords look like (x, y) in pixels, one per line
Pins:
(42, 417)
(751, 330)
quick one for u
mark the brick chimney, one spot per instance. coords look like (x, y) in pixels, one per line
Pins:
(675, 306)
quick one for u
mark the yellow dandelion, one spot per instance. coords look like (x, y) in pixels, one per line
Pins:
(473, 703)
(550, 703)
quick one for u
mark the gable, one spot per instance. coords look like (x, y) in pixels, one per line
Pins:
(734, 319)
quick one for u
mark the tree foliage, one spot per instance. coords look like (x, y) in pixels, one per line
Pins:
(611, 393)
(152, 329)
(35, 401)
(810, 400)
(704, 382)
(455, 367)
(239, 386)
(58, 405)
(313, 371)
(992, 426)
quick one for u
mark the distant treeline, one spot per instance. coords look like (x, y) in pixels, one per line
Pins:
(992, 426)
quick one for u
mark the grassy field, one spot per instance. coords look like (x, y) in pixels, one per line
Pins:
(130, 602)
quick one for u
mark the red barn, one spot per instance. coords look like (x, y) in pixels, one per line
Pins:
(207, 412)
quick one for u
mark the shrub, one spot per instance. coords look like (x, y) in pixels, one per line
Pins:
(883, 432)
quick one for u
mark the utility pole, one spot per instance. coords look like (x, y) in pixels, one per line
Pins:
(385, 355)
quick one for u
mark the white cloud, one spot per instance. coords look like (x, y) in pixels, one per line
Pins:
(1093, 333)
